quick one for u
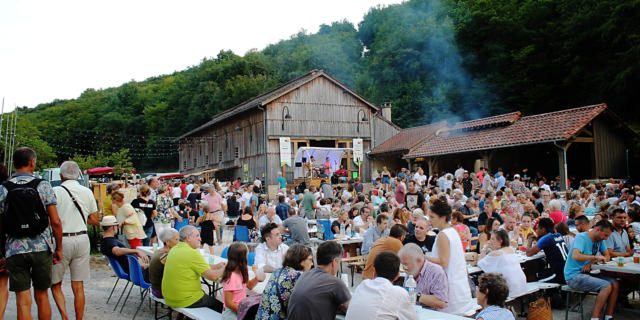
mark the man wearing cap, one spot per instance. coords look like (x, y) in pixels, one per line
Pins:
(517, 186)
(76, 207)
(111, 247)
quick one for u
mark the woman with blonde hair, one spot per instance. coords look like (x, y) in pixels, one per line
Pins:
(128, 218)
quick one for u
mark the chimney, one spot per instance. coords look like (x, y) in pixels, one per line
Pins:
(386, 110)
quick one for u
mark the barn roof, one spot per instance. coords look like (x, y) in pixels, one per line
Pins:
(271, 95)
(507, 130)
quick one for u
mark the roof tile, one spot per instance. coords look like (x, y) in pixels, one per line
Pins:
(546, 127)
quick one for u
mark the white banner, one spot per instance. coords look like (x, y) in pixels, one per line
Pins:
(358, 150)
(285, 151)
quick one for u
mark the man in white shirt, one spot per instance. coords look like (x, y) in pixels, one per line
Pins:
(270, 253)
(270, 217)
(459, 173)
(75, 241)
(378, 298)
(361, 222)
(510, 226)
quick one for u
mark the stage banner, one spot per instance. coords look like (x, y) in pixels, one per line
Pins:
(285, 151)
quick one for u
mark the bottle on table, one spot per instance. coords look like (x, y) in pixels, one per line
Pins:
(410, 286)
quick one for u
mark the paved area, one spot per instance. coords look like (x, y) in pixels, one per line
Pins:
(102, 280)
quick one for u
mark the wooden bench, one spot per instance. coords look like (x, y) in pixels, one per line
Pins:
(581, 295)
(354, 265)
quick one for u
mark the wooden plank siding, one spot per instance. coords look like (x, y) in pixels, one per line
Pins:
(319, 109)
(609, 149)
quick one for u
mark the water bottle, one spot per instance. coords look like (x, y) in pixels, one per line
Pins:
(410, 286)
(348, 231)
(342, 229)
(205, 248)
(320, 231)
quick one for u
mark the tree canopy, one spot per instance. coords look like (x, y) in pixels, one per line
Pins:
(432, 59)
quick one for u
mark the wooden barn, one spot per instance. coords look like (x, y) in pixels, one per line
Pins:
(312, 110)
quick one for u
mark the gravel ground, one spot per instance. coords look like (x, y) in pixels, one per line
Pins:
(102, 280)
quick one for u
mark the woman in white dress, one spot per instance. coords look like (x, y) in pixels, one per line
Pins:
(500, 258)
(448, 253)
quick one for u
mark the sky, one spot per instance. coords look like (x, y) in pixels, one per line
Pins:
(57, 49)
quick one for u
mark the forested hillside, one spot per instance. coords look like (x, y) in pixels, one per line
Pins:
(431, 59)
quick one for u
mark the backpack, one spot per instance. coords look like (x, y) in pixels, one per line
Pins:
(141, 216)
(24, 214)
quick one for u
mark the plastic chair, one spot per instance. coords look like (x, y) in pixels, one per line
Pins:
(120, 274)
(178, 225)
(328, 234)
(135, 272)
(251, 258)
(224, 252)
(241, 234)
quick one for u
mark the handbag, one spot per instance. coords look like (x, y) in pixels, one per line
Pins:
(540, 310)
(76, 204)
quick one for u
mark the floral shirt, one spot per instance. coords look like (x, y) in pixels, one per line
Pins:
(42, 242)
(163, 205)
(270, 307)
(465, 235)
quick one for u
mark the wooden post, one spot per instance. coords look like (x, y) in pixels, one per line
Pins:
(561, 150)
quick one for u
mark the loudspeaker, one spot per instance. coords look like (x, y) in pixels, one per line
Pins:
(298, 164)
(304, 159)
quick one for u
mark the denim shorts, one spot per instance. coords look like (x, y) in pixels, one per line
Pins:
(588, 282)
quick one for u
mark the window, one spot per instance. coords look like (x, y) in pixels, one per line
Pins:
(195, 162)
(219, 156)
(206, 160)
(184, 164)
(235, 152)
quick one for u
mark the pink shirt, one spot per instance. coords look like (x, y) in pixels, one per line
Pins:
(557, 217)
(235, 285)
(214, 200)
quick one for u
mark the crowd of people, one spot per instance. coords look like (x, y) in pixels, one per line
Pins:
(430, 226)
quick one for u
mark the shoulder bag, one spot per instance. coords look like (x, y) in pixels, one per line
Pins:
(75, 203)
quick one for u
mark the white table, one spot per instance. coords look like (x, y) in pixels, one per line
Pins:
(612, 266)
(524, 258)
(424, 314)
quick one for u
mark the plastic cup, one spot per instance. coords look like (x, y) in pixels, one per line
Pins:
(636, 259)
(260, 274)
(620, 262)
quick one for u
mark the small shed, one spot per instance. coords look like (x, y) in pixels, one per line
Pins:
(584, 142)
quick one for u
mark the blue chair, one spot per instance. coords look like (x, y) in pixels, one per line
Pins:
(178, 225)
(120, 274)
(251, 258)
(328, 234)
(135, 272)
(224, 252)
(241, 234)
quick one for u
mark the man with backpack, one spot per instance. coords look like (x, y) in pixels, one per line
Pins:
(76, 207)
(30, 221)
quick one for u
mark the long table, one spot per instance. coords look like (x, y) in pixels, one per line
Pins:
(424, 314)
(521, 257)
(217, 259)
(612, 266)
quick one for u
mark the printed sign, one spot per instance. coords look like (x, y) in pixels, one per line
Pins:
(358, 150)
(285, 151)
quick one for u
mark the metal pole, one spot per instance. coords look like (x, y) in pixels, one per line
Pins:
(13, 137)
(1, 116)
(6, 141)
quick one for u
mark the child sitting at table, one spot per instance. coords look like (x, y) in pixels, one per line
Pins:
(235, 280)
